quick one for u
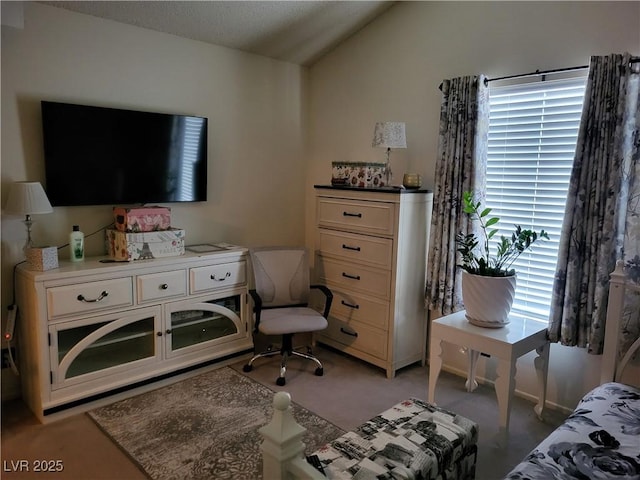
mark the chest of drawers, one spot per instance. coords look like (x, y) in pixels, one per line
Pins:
(371, 250)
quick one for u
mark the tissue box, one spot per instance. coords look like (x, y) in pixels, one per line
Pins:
(144, 245)
(142, 219)
(42, 258)
(358, 174)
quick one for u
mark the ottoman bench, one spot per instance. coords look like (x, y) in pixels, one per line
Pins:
(413, 440)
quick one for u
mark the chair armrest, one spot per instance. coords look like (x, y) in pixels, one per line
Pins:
(257, 307)
(329, 298)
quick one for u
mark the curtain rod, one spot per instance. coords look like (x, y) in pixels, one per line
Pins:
(537, 72)
(544, 72)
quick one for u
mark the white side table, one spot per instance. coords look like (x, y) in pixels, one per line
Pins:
(507, 344)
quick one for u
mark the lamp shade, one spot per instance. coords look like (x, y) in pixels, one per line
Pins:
(389, 135)
(27, 198)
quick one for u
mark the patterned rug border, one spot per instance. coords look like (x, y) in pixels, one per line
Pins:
(301, 414)
(116, 443)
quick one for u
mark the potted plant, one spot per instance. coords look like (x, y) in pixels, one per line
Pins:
(488, 280)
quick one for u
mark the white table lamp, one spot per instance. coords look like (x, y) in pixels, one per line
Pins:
(27, 198)
(389, 135)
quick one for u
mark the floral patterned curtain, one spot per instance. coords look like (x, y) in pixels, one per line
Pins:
(602, 216)
(460, 167)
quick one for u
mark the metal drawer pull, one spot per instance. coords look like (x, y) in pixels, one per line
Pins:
(356, 307)
(102, 295)
(347, 214)
(347, 332)
(353, 277)
(347, 247)
(164, 286)
(213, 277)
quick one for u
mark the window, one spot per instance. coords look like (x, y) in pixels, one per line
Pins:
(533, 131)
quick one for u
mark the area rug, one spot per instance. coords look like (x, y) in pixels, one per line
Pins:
(203, 427)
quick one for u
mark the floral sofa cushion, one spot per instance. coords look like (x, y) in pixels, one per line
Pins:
(600, 440)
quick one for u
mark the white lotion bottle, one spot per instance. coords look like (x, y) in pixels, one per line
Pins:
(76, 244)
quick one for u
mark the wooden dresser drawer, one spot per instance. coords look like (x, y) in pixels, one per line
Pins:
(352, 276)
(375, 218)
(357, 335)
(204, 279)
(349, 306)
(155, 286)
(372, 251)
(89, 297)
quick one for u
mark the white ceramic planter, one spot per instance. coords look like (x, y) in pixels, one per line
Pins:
(488, 300)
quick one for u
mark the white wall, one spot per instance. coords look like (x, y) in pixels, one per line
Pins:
(254, 106)
(257, 110)
(391, 71)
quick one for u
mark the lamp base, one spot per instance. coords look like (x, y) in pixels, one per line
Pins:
(387, 169)
(28, 223)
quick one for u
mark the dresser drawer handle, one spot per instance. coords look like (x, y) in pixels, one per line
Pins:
(347, 214)
(164, 286)
(347, 332)
(355, 307)
(353, 277)
(347, 247)
(81, 297)
(227, 275)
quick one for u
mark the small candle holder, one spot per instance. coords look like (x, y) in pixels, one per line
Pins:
(411, 180)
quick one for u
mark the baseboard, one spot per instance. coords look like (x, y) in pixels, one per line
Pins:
(527, 396)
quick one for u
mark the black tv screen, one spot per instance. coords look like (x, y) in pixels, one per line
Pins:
(107, 156)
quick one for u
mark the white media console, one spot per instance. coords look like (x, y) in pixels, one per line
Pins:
(96, 327)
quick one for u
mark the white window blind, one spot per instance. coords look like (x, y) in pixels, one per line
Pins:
(532, 138)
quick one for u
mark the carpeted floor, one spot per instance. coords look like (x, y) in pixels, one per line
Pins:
(349, 393)
(203, 427)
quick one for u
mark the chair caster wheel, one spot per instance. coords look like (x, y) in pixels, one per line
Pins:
(247, 368)
(280, 381)
(319, 371)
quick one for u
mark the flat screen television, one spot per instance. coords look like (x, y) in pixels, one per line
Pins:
(107, 156)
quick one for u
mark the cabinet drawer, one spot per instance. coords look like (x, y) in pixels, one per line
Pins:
(157, 286)
(358, 248)
(349, 306)
(204, 279)
(367, 217)
(357, 335)
(89, 297)
(352, 276)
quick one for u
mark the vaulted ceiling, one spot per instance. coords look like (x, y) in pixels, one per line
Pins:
(294, 31)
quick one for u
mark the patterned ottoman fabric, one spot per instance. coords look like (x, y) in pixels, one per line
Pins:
(412, 440)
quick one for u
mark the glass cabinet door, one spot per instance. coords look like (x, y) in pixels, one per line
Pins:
(199, 324)
(86, 348)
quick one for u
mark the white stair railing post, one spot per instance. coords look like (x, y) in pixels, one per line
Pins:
(282, 439)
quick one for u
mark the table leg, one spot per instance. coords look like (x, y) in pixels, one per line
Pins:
(541, 363)
(471, 383)
(435, 364)
(505, 385)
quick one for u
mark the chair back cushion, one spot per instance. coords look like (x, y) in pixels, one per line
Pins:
(281, 275)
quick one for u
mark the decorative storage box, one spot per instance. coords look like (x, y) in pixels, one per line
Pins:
(42, 258)
(358, 174)
(144, 245)
(142, 219)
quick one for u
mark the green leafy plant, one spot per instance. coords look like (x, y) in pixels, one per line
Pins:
(475, 252)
